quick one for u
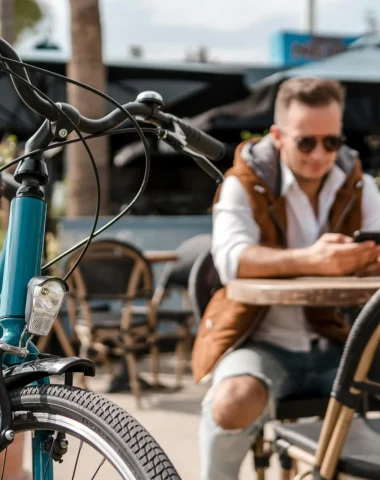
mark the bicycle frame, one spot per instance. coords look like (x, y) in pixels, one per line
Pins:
(20, 261)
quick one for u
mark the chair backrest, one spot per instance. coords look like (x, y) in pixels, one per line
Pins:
(352, 384)
(203, 283)
(358, 357)
(112, 269)
(176, 274)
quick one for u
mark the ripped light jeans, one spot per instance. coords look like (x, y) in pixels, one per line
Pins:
(285, 373)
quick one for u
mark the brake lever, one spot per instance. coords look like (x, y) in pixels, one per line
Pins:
(205, 164)
(177, 140)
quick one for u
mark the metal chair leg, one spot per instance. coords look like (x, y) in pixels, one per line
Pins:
(133, 379)
(180, 348)
(188, 342)
(180, 354)
(84, 337)
(154, 352)
(260, 456)
(287, 464)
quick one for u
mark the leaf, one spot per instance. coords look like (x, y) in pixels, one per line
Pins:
(27, 13)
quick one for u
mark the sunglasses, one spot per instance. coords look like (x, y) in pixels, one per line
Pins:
(331, 143)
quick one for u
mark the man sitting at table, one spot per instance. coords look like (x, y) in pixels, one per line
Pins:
(288, 207)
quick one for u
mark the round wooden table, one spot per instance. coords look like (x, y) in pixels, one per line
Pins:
(310, 291)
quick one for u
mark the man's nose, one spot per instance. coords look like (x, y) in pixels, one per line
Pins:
(319, 151)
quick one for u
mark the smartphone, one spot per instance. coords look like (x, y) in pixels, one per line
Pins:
(362, 236)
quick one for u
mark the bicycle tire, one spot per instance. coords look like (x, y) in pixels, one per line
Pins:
(137, 449)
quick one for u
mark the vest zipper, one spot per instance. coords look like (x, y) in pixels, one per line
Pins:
(278, 224)
(344, 215)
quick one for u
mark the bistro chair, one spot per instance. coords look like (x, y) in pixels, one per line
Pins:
(175, 279)
(116, 272)
(346, 444)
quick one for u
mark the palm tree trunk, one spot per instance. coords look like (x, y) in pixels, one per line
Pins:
(86, 66)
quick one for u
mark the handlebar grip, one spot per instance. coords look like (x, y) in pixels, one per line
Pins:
(200, 141)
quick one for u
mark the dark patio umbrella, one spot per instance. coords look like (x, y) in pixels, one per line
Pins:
(358, 69)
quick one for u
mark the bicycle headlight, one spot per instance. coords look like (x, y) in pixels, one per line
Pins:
(44, 299)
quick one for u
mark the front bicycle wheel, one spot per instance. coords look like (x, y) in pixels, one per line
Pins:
(87, 436)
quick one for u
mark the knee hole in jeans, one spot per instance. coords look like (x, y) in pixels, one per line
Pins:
(238, 401)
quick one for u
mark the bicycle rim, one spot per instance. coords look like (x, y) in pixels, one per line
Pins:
(75, 430)
(104, 442)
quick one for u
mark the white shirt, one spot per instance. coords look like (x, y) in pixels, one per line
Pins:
(234, 228)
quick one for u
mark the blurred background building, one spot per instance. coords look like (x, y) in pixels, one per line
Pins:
(223, 93)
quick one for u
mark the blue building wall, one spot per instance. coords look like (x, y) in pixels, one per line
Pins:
(146, 232)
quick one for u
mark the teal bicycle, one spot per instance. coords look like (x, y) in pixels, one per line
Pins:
(67, 423)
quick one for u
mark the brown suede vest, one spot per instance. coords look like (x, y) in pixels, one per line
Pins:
(227, 323)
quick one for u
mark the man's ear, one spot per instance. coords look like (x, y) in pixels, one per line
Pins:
(276, 134)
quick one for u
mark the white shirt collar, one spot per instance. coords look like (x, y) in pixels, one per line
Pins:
(334, 180)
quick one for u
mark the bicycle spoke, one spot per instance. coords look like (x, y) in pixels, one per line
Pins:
(4, 460)
(76, 461)
(51, 451)
(97, 470)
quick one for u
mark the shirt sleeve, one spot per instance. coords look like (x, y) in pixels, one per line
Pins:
(370, 204)
(234, 228)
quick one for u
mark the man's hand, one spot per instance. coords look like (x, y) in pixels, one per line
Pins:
(335, 254)
(332, 255)
(371, 270)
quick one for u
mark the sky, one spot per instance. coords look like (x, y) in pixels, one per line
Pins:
(237, 31)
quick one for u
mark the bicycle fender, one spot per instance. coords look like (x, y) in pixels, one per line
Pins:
(18, 376)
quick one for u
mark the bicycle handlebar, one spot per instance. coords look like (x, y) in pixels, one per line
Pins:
(179, 134)
(29, 96)
(197, 140)
(147, 108)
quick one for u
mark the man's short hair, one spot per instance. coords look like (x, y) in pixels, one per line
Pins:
(314, 92)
